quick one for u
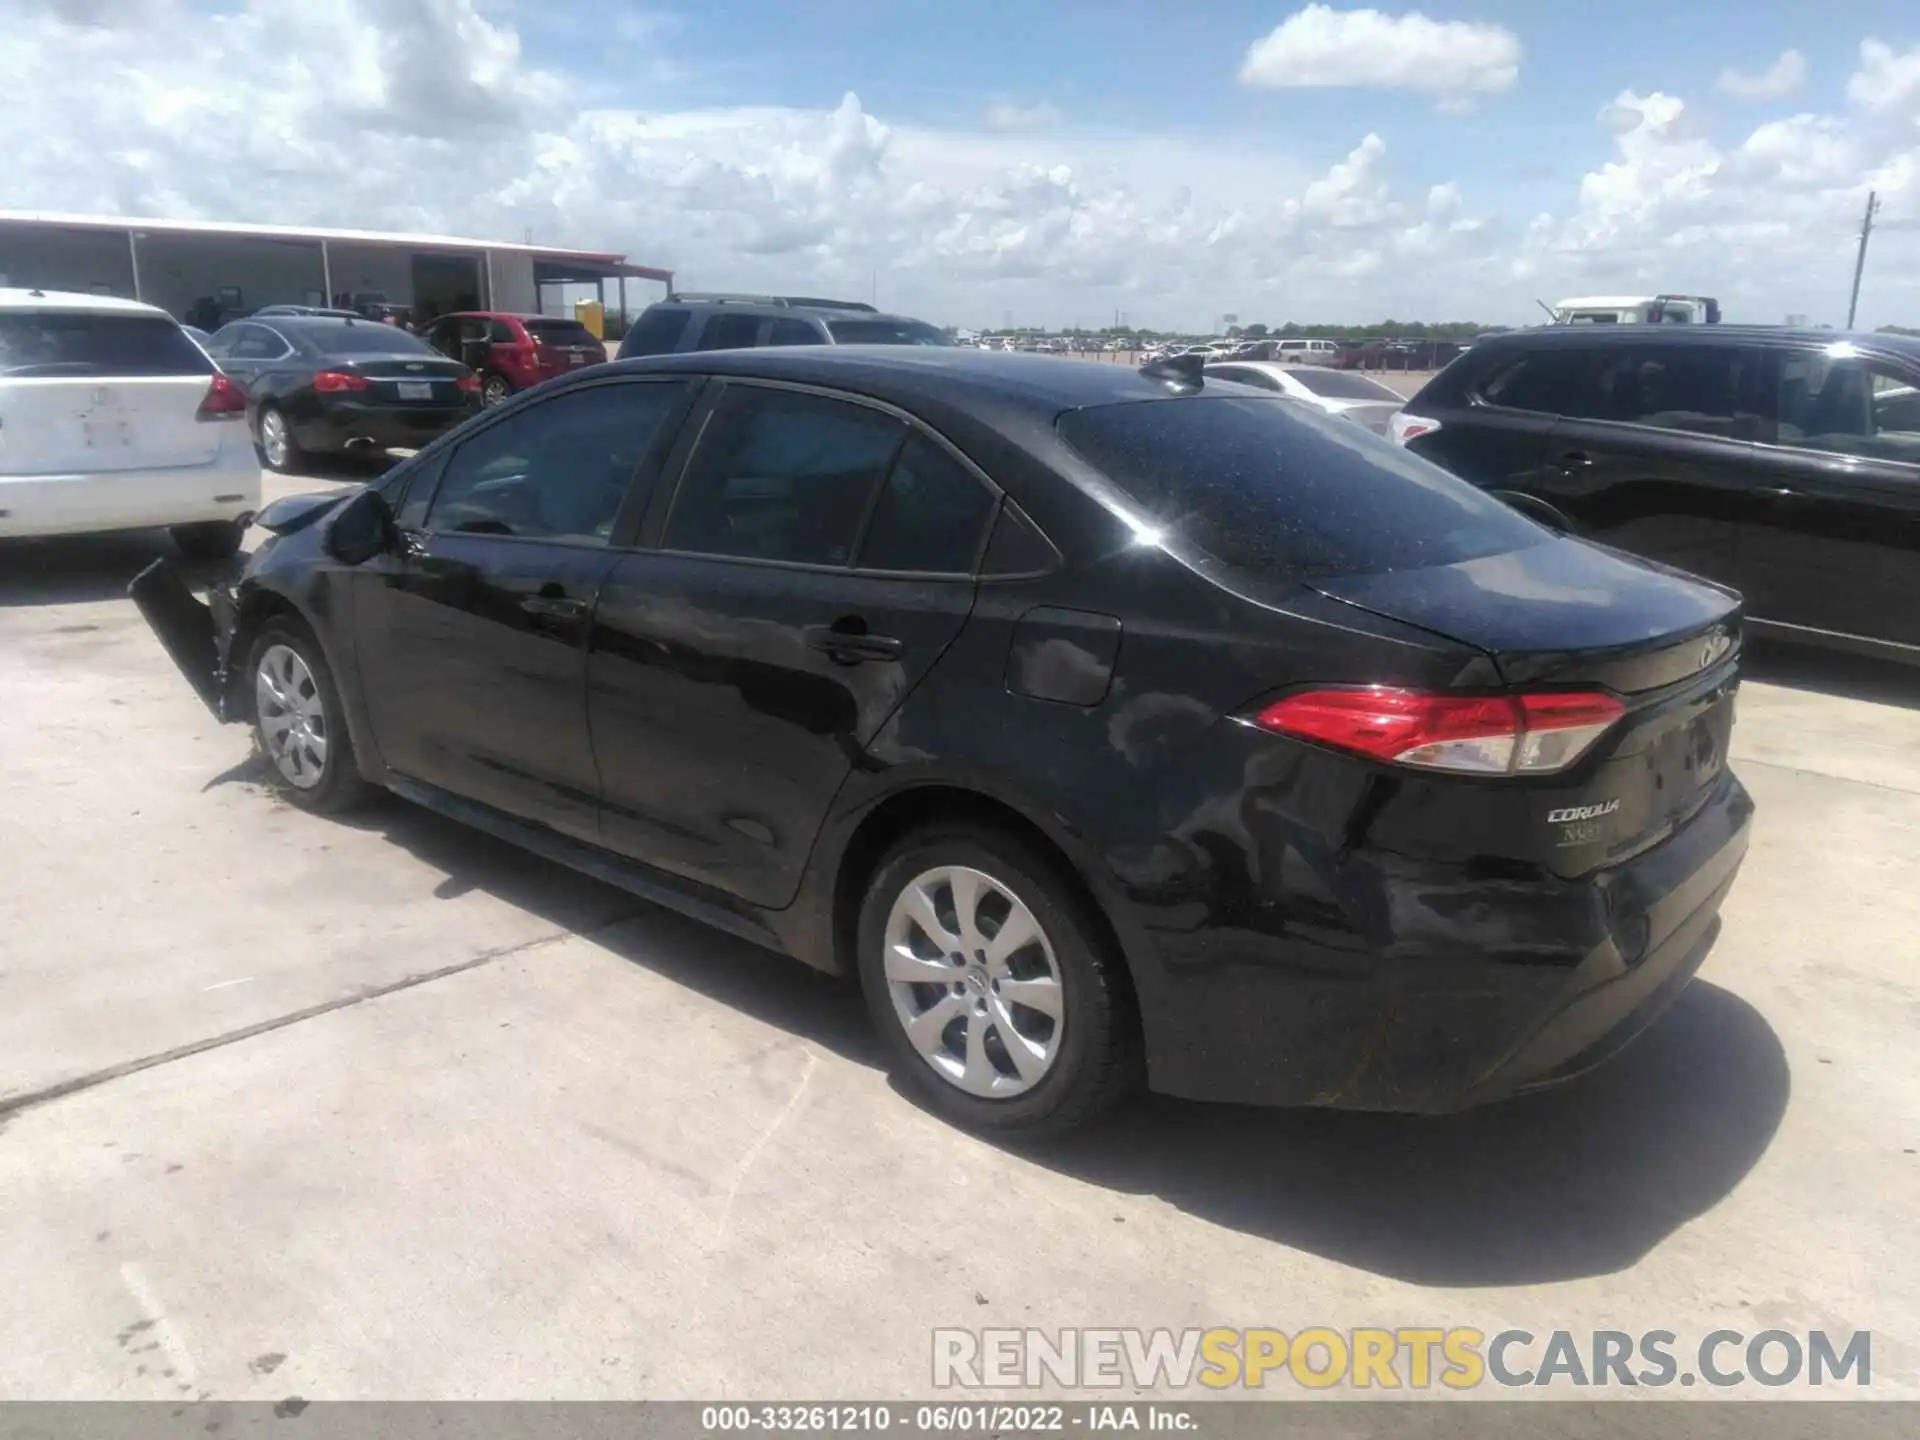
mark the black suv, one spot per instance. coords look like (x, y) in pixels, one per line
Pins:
(1782, 463)
(744, 322)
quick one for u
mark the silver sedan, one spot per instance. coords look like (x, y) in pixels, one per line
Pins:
(1338, 392)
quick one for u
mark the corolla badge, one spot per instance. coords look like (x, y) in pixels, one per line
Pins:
(1582, 812)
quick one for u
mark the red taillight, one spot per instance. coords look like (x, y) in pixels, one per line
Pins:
(224, 400)
(1481, 735)
(1407, 427)
(469, 382)
(332, 382)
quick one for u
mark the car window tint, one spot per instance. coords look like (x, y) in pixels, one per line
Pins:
(1849, 406)
(1342, 385)
(350, 337)
(782, 476)
(1701, 389)
(656, 332)
(96, 343)
(931, 514)
(501, 333)
(1542, 381)
(1281, 488)
(793, 332)
(559, 332)
(729, 332)
(886, 332)
(557, 469)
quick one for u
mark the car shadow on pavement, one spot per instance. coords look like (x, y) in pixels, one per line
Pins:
(1832, 672)
(80, 569)
(1583, 1179)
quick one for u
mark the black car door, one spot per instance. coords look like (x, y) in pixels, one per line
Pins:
(1837, 531)
(813, 563)
(1654, 452)
(472, 639)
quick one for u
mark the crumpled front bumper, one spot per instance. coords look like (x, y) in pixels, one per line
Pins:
(196, 633)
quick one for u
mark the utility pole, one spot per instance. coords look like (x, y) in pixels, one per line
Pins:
(1860, 260)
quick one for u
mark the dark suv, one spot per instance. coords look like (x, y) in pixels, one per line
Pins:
(1782, 463)
(743, 322)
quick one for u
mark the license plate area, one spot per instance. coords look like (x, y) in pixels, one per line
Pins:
(415, 389)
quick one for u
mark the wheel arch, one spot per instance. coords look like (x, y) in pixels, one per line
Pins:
(256, 606)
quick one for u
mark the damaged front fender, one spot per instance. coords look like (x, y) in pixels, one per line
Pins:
(196, 634)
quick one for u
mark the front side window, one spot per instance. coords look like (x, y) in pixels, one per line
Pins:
(931, 515)
(782, 476)
(1849, 405)
(556, 470)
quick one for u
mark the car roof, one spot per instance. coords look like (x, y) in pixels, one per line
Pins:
(1575, 335)
(1039, 385)
(24, 299)
(785, 307)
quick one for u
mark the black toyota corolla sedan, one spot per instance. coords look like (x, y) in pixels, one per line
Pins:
(1106, 723)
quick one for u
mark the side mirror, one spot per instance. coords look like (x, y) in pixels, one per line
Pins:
(361, 529)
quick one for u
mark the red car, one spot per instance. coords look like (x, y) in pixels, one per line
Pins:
(513, 352)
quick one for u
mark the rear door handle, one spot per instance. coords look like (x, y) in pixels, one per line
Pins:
(850, 647)
(554, 607)
(1575, 460)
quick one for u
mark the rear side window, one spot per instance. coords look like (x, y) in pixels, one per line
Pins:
(560, 332)
(885, 332)
(1543, 381)
(1279, 488)
(729, 332)
(88, 343)
(931, 516)
(1701, 389)
(794, 332)
(782, 476)
(656, 332)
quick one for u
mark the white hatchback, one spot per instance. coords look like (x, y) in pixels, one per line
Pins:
(112, 418)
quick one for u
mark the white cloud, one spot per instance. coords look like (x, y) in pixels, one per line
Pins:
(1776, 82)
(1887, 80)
(1004, 115)
(1455, 60)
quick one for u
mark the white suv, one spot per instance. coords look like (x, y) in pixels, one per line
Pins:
(111, 418)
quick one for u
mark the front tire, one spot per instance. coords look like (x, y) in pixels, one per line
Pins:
(996, 993)
(214, 540)
(299, 723)
(279, 451)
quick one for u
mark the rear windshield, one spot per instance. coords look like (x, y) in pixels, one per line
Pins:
(1276, 487)
(1343, 385)
(88, 342)
(885, 332)
(560, 332)
(367, 337)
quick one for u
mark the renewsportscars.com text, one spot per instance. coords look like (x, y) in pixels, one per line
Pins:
(1403, 1358)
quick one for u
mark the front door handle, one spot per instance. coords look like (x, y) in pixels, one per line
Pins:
(1575, 460)
(554, 607)
(848, 646)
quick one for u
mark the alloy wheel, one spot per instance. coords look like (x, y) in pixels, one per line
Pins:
(293, 718)
(974, 982)
(274, 438)
(495, 391)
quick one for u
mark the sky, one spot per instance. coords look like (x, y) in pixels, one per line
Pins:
(1052, 162)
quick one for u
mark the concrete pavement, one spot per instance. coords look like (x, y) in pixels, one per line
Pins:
(387, 1109)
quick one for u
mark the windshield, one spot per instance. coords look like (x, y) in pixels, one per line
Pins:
(886, 332)
(364, 338)
(80, 343)
(1277, 487)
(1342, 385)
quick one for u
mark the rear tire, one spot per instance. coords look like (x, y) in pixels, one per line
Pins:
(1029, 1042)
(495, 390)
(213, 540)
(279, 451)
(299, 724)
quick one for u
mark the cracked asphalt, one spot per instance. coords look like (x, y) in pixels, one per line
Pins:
(292, 1107)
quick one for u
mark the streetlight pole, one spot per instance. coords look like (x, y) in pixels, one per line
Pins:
(1860, 260)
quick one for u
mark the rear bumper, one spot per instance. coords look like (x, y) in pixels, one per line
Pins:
(86, 504)
(387, 427)
(1454, 1022)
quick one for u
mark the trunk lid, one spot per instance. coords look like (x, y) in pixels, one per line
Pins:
(1566, 615)
(61, 425)
(410, 380)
